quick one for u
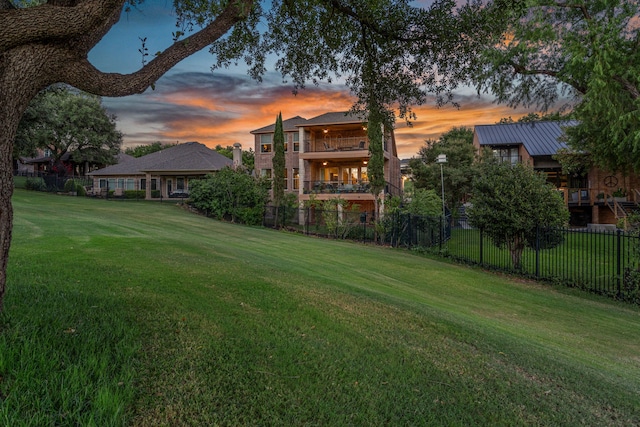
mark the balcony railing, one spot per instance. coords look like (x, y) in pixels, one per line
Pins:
(341, 187)
(335, 187)
(336, 144)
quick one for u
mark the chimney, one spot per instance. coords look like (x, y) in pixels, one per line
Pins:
(237, 155)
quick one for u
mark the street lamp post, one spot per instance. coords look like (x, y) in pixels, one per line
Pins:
(442, 159)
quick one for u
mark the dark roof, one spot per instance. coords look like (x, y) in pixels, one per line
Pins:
(336, 118)
(538, 138)
(187, 157)
(123, 157)
(288, 125)
(342, 117)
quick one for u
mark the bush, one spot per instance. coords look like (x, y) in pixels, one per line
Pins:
(80, 190)
(232, 195)
(35, 184)
(631, 286)
(70, 185)
(136, 194)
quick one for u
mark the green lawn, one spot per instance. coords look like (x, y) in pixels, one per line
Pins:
(137, 313)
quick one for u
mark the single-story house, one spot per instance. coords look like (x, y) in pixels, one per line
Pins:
(162, 174)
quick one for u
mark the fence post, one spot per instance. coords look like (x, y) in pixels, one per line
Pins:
(441, 233)
(619, 260)
(307, 214)
(481, 247)
(537, 251)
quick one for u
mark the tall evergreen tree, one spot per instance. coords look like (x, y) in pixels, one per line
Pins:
(278, 162)
(278, 166)
(375, 167)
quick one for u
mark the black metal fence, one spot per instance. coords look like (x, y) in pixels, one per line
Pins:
(394, 230)
(602, 262)
(50, 182)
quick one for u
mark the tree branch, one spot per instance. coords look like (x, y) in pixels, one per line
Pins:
(629, 87)
(519, 69)
(83, 75)
(581, 7)
(46, 22)
(6, 4)
(394, 34)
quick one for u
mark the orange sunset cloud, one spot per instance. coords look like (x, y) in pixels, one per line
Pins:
(224, 109)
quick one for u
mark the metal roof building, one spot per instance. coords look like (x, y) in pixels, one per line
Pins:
(538, 138)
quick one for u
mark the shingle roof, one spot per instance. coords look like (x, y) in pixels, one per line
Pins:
(187, 157)
(335, 118)
(341, 117)
(538, 138)
(288, 125)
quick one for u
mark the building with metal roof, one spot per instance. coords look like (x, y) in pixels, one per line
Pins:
(592, 197)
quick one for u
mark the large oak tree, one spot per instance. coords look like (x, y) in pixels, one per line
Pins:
(66, 122)
(390, 53)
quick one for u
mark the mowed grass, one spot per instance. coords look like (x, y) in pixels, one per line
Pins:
(135, 313)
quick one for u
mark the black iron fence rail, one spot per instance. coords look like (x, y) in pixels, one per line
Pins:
(602, 262)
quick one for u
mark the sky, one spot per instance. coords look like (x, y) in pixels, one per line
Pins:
(193, 103)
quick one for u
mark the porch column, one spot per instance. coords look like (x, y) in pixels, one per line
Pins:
(147, 191)
(301, 174)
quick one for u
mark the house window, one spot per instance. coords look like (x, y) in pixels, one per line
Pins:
(120, 182)
(154, 184)
(350, 175)
(296, 178)
(103, 183)
(286, 142)
(265, 173)
(296, 142)
(180, 183)
(266, 143)
(507, 155)
(111, 183)
(130, 184)
(286, 179)
(143, 183)
(329, 174)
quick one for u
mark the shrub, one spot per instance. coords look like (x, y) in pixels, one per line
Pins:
(70, 185)
(631, 285)
(35, 184)
(80, 190)
(136, 194)
(230, 194)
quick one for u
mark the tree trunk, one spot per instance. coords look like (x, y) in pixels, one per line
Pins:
(516, 247)
(18, 85)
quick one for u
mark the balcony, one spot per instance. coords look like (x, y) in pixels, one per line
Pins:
(335, 187)
(340, 187)
(334, 144)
